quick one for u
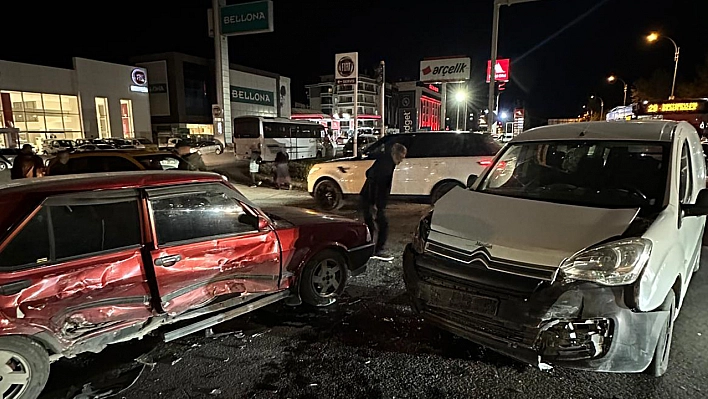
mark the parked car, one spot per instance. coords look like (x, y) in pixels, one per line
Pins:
(94, 147)
(98, 259)
(53, 146)
(7, 156)
(574, 248)
(208, 147)
(436, 162)
(122, 161)
(363, 141)
(142, 143)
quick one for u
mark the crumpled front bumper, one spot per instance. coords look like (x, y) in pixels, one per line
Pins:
(579, 324)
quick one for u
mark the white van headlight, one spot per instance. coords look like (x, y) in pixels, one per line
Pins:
(615, 263)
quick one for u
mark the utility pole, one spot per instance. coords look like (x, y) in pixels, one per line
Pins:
(383, 98)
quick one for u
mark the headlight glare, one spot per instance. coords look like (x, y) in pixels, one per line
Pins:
(615, 263)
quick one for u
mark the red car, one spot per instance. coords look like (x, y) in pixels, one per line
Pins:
(90, 260)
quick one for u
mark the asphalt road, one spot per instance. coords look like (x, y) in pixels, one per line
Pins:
(369, 345)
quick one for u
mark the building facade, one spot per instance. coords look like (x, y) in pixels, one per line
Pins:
(408, 105)
(338, 102)
(182, 92)
(93, 100)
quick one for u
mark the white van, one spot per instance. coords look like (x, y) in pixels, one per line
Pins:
(297, 139)
(436, 162)
(574, 248)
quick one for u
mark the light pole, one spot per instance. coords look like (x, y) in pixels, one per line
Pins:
(602, 106)
(493, 58)
(460, 96)
(651, 38)
(612, 79)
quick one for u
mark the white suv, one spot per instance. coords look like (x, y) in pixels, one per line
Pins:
(574, 248)
(436, 163)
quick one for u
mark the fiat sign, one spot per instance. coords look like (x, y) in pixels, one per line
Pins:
(445, 70)
(345, 68)
(501, 70)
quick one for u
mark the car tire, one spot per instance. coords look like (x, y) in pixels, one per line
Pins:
(3, 166)
(328, 195)
(20, 354)
(442, 189)
(219, 151)
(323, 278)
(660, 361)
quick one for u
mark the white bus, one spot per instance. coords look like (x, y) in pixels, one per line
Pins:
(298, 139)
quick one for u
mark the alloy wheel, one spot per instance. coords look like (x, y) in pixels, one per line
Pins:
(15, 374)
(327, 277)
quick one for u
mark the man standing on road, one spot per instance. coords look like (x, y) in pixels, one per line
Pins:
(59, 165)
(374, 196)
(194, 159)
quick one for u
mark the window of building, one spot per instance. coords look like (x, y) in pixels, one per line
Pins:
(196, 97)
(104, 123)
(41, 116)
(126, 116)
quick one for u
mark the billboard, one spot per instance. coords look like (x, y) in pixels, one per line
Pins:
(407, 112)
(445, 70)
(346, 68)
(247, 18)
(501, 70)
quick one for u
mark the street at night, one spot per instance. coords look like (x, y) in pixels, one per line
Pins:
(328, 199)
(369, 345)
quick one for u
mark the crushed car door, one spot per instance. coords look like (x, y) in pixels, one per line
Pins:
(73, 268)
(208, 247)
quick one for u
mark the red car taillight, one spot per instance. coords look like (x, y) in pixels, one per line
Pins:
(485, 162)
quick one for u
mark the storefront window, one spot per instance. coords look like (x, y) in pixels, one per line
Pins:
(40, 116)
(70, 105)
(104, 125)
(126, 115)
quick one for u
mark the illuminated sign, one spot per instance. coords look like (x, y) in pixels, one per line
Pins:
(138, 77)
(655, 108)
(434, 88)
(445, 70)
(501, 70)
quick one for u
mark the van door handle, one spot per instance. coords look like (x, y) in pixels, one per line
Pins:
(168, 261)
(14, 287)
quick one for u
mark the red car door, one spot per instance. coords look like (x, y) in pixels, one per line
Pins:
(208, 247)
(73, 269)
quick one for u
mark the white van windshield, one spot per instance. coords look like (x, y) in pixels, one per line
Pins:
(608, 174)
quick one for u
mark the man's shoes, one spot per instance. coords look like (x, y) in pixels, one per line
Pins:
(382, 255)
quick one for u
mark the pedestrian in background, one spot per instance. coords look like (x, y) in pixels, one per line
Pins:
(254, 166)
(193, 158)
(374, 197)
(27, 164)
(59, 165)
(282, 171)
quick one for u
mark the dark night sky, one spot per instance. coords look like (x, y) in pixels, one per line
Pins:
(553, 79)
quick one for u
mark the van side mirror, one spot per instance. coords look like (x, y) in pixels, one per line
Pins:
(471, 180)
(700, 208)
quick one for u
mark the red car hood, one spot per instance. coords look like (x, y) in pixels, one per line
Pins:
(301, 217)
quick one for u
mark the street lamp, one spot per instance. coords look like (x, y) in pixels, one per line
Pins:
(460, 97)
(493, 58)
(602, 106)
(654, 36)
(612, 79)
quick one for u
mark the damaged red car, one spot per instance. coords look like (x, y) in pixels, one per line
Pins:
(87, 261)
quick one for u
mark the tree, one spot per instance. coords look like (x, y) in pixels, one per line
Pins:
(656, 87)
(699, 87)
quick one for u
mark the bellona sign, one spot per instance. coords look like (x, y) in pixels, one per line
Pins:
(247, 18)
(252, 96)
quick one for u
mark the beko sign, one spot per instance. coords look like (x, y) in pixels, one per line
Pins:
(445, 70)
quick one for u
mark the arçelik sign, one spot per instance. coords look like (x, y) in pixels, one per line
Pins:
(445, 70)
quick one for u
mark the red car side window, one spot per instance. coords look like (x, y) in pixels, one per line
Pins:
(196, 215)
